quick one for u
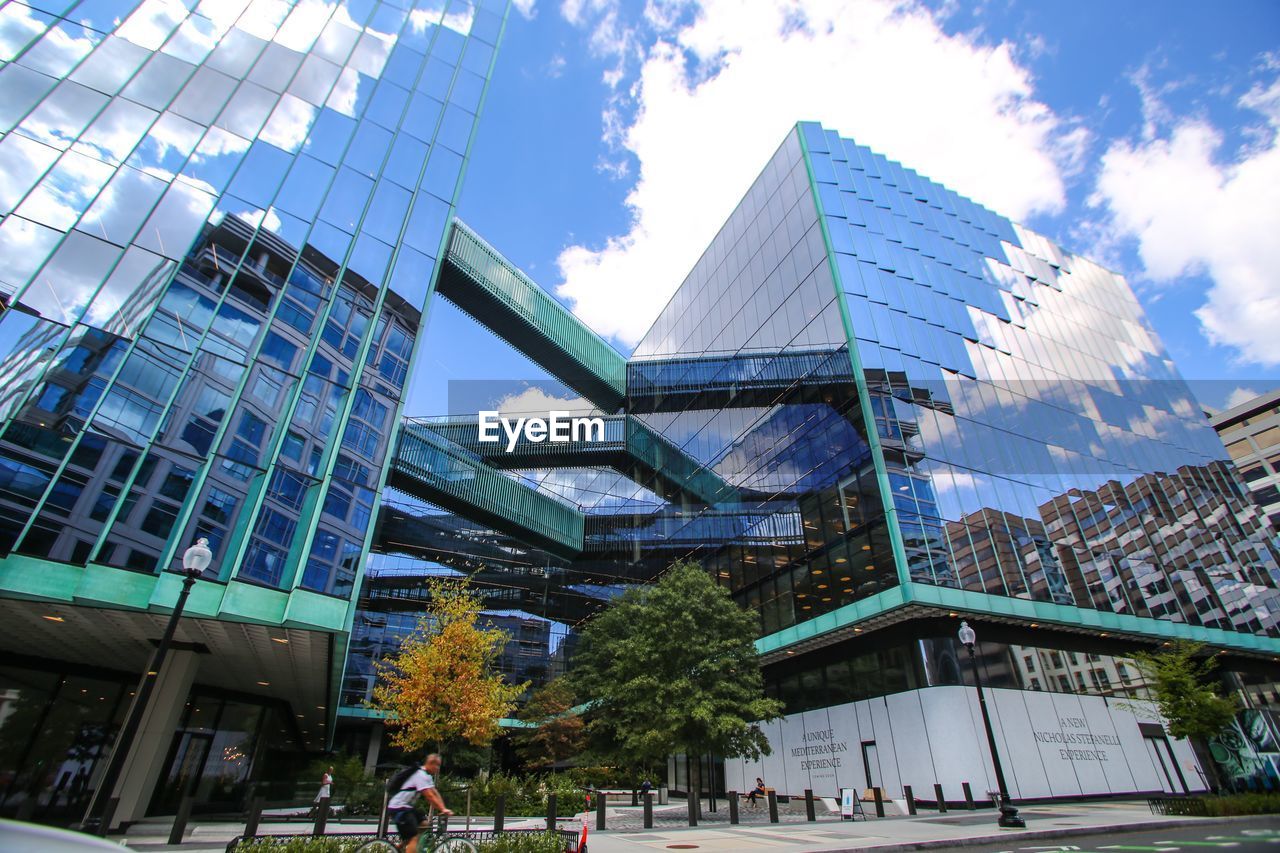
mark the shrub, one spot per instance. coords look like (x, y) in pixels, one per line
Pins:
(1242, 804)
(543, 842)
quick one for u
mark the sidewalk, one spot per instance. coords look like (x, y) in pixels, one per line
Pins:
(929, 830)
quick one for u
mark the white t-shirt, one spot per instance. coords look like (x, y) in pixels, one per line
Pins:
(420, 781)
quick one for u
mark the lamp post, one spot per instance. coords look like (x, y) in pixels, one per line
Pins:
(194, 561)
(1008, 811)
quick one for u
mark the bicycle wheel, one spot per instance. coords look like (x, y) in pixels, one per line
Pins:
(377, 845)
(456, 845)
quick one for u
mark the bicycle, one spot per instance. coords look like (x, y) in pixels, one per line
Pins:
(433, 838)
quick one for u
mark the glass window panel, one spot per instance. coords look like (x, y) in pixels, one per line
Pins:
(61, 116)
(20, 90)
(441, 175)
(369, 260)
(130, 293)
(405, 162)
(368, 149)
(204, 95)
(193, 40)
(329, 139)
(275, 67)
(64, 193)
(176, 221)
(116, 131)
(123, 206)
(247, 110)
(61, 49)
(24, 245)
(215, 160)
(261, 174)
(111, 65)
(305, 187)
(386, 212)
(153, 22)
(236, 53)
(63, 288)
(19, 26)
(159, 80)
(426, 224)
(22, 162)
(314, 80)
(289, 124)
(346, 199)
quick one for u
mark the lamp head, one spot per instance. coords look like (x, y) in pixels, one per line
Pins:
(967, 635)
(197, 558)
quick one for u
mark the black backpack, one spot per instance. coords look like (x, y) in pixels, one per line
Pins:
(396, 783)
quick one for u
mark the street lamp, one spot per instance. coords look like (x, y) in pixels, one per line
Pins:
(1008, 811)
(194, 561)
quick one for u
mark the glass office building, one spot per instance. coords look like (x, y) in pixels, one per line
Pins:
(220, 227)
(872, 408)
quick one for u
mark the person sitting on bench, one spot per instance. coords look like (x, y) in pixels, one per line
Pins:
(757, 791)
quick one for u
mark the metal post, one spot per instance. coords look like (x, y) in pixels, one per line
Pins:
(878, 793)
(648, 811)
(733, 807)
(773, 807)
(468, 808)
(255, 817)
(968, 796)
(499, 813)
(180, 822)
(322, 816)
(1008, 811)
(600, 811)
(942, 801)
(911, 799)
(809, 813)
(384, 818)
(693, 807)
(551, 812)
(635, 796)
(107, 814)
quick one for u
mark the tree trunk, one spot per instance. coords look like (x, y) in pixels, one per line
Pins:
(695, 782)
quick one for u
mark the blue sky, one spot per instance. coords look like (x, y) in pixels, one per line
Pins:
(617, 135)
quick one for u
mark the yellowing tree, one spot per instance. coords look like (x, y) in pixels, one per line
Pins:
(444, 683)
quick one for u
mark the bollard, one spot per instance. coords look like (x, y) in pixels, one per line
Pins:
(499, 813)
(773, 807)
(180, 822)
(443, 823)
(108, 815)
(942, 802)
(600, 814)
(468, 808)
(635, 797)
(879, 795)
(733, 807)
(551, 812)
(648, 811)
(968, 796)
(911, 799)
(693, 808)
(808, 806)
(255, 817)
(322, 816)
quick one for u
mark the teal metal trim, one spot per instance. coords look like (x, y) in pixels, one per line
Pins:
(842, 617)
(362, 713)
(1049, 613)
(433, 468)
(598, 371)
(864, 396)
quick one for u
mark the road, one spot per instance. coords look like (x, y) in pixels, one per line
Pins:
(1250, 838)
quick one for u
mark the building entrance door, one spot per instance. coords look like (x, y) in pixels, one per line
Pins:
(1162, 756)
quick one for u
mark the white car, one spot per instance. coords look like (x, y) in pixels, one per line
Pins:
(17, 837)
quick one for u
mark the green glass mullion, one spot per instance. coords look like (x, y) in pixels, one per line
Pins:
(358, 362)
(860, 381)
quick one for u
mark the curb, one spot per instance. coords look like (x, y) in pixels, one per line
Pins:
(1063, 832)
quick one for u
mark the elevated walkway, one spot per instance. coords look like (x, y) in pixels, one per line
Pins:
(479, 280)
(428, 466)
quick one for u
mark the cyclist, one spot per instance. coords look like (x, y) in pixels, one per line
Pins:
(409, 820)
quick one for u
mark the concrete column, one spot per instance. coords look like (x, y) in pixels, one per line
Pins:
(145, 761)
(375, 747)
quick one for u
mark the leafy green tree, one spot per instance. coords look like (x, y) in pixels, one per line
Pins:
(557, 733)
(1181, 681)
(671, 668)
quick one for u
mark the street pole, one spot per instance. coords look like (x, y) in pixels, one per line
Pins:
(194, 562)
(1008, 811)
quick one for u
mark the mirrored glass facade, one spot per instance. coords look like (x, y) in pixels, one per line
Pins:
(220, 227)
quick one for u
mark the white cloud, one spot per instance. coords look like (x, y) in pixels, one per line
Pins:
(1193, 210)
(715, 97)
(1240, 395)
(525, 7)
(535, 400)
